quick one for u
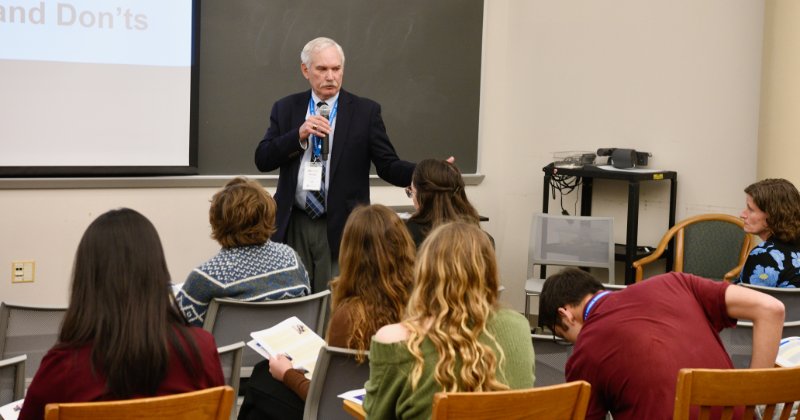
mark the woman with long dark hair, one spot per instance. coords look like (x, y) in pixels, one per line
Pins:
(437, 192)
(123, 336)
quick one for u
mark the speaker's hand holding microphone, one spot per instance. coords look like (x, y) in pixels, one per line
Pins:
(316, 125)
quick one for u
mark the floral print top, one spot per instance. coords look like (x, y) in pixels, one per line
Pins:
(772, 264)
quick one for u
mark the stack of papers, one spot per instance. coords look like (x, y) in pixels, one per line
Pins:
(292, 338)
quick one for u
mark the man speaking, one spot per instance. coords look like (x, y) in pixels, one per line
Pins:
(323, 141)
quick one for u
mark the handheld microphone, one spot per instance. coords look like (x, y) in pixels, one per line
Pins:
(325, 112)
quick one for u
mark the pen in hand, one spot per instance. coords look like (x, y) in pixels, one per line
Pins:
(301, 369)
(279, 364)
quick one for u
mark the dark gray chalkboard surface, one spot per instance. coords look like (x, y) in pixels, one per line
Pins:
(420, 59)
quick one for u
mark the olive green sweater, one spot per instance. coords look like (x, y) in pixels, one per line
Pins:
(389, 394)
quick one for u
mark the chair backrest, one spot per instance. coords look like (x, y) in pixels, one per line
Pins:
(738, 341)
(231, 321)
(336, 371)
(551, 358)
(207, 404)
(12, 379)
(556, 402)
(230, 357)
(710, 245)
(788, 295)
(29, 330)
(579, 241)
(732, 388)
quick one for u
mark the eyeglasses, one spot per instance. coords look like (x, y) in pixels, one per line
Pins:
(556, 338)
(409, 192)
(560, 341)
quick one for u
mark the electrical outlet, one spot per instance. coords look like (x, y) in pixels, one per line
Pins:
(22, 271)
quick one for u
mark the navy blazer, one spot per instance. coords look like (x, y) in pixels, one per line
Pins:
(359, 138)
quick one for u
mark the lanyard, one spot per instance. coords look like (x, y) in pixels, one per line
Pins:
(317, 142)
(592, 302)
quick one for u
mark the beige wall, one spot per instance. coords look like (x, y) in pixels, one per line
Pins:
(678, 79)
(779, 135)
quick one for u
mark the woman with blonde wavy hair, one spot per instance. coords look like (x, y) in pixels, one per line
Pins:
(376, 272)
(454, 336)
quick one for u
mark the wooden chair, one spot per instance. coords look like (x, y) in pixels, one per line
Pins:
(732, 390)
(207, 404)
(556, 402)
(709, 245)
(355, 411)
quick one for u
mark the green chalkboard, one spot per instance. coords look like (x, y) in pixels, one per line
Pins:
(420, 59)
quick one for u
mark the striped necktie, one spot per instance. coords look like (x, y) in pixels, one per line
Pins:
(315, 200)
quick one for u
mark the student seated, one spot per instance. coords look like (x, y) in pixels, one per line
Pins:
(249, 266)
(122, 336)
(437, 191)
(772, 212)
(630, 344)
(376, 263)
(454, 336)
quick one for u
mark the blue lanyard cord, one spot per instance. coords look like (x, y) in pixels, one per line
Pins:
(316, 147)
(592, 302)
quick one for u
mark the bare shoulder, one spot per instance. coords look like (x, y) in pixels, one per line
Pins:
(392, 333)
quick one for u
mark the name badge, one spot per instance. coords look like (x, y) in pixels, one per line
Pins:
(312, 176)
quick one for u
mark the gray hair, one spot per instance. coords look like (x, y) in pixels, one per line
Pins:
(316, 45)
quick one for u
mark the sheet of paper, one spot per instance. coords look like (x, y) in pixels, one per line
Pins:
(356, 396)
(293, 338)
(788, 352)
(253, 344)
(11, 410)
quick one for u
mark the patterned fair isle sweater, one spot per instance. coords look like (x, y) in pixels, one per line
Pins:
(250, 273)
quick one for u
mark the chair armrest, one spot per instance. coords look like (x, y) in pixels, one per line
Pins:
(639, 264)
(639, 272)
(662, 245)
(733, 274)
(355, 410)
